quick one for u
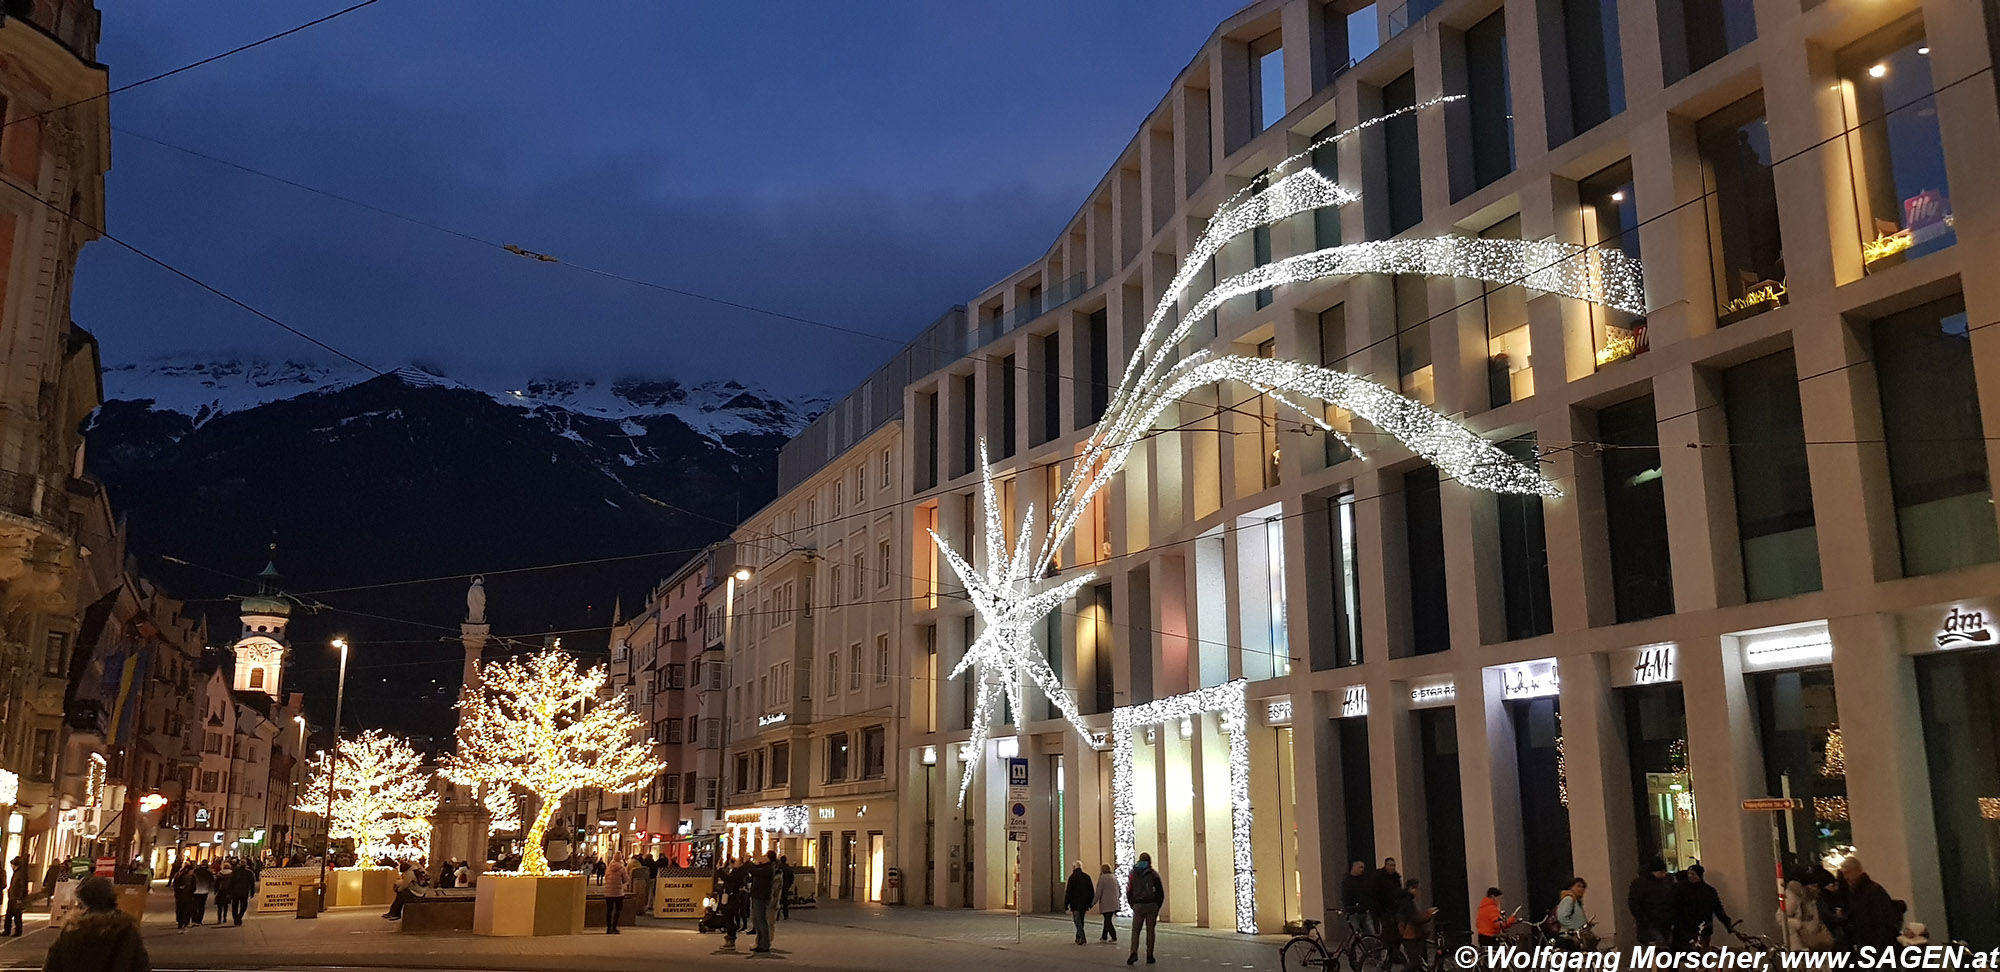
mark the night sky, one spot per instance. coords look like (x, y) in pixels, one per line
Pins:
(865, 164)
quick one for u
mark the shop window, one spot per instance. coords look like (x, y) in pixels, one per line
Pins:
(1697, 33)
(1767, 458)
(1404, 167)
(1423, 520)
(1490, 100)
(1356, 794)
(1444, 816)
(1895, 155)
(1745, 248)
(1662, 789)
(1959, 694)
(1798, 723)
(1544, 800)
(1583, 66)
(1609, 208)
(1326, 161)
(1934, 438)
(1635, 510)
(1413, 338)
(1524, 554)
(1509, 364)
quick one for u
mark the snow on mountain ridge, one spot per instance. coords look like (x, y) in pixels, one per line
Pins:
(203, 389)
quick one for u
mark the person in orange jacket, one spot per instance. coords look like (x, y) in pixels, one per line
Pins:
(1490, 924)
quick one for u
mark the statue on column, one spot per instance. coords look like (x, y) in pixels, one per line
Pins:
(475, 601)
(462, 826)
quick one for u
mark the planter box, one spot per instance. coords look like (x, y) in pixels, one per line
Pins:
(523, 904)
(363, 886)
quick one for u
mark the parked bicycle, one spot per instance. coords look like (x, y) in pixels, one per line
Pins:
(1309, 951)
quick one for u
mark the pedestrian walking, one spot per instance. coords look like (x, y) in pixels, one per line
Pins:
(224, 885)
(1107, 902)
(102, 939)
(184, 906)
(763, 879)
(1650, 899)
(1388, 885)
(1147, 894)
(616, 882)
(204, 884)
(17, 897)
(241, 887)
(785, 879)
(1412, 923)
(1873, 918)
(1358, 896)
(1695, 902)
(1079, 896)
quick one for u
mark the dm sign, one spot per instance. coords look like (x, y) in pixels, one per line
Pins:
(1963, 629)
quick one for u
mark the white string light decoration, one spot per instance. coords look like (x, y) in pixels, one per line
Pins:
(1228, 703)
(1010, 595)
(546, 726)
(380, 791)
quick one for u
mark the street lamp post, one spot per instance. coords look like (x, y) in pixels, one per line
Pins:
(339, 700)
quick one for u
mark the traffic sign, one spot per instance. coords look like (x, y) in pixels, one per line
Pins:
(1017, 821)
(1774, 803)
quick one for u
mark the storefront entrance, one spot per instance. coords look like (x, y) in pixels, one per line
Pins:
(1544, 801)
(1959, 693)
(1444, 818)
(1798, 721)
(1662, 788)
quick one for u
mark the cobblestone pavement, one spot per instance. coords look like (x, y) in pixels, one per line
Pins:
(834, 937)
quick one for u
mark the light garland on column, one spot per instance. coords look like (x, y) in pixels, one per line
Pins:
(379, 791)
(1227, 701)
(546, 726)
(1009, 594)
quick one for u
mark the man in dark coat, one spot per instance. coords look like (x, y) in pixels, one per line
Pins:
(763, 879)
(1695, 902)
(785, 879)
(242, 884)
(1357, 895)
(17, 896)
(1650, 898)
(1873, 918)
(1388, 886)
(1078, 895)
(102, 939)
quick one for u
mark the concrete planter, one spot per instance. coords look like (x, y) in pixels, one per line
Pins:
(363, 886)
(524, 904)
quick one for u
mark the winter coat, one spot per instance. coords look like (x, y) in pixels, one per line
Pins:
(1357, 894)
(17, 885)
(1107, 894)
(184, 885)
(244, 883)
(1080, 893)
(99, 941)
(763, 875)
(1489, 921)
(1388, 884)
(617, 880)
(204, 881)
(1695, 903)
(1145, 888)
(1651, 901)
(1570, 914)
(1873, 918)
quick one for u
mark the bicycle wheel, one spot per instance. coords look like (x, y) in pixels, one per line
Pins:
(1304, 954)
(1366, 953)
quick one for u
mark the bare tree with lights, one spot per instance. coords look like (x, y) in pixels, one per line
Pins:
(543, 724)
(380, 790)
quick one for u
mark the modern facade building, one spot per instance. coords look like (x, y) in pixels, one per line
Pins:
(1771, 571)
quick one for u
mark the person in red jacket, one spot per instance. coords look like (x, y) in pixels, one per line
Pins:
(1491, 923)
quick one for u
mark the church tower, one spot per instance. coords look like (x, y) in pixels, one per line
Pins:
(260, 649)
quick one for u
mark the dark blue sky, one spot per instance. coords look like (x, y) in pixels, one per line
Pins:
(862, 163)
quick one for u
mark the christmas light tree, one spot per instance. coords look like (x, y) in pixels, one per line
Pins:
(540, 723)
(380, 791)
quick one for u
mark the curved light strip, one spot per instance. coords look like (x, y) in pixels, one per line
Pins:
(1227, 702)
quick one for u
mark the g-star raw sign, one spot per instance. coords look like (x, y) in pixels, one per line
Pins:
(1962, 628)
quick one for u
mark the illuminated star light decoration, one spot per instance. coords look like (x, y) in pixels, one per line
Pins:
(1227, 702)
(380, 791)
(1009, 594)
(546, 726)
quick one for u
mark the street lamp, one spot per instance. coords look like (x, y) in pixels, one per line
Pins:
(339, 700)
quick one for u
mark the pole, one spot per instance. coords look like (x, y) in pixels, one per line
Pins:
(332, 764)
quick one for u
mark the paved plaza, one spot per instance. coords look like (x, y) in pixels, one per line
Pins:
(834, 937)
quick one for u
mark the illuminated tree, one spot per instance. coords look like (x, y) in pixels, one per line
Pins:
(380, 790)
(541, 724)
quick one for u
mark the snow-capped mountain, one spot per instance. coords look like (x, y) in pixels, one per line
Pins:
(203, 389)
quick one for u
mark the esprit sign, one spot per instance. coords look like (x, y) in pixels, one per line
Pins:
(1963, 628)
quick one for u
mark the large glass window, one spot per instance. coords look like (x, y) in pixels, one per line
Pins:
(1798, 723)
(1491, 99)
(1767, 458)
(1524, 554)
(1544, 800)
(1509, 365)
(1364, 32)
(1960, 699)
(1267, 79)
(1444, 816)
(1008, 418)
(1346, 575)
(1696, 33)
(1609, 208)
(1893, 146)
(1744, 245)
(1662, 789)
(1404, 166)
(1423, 520)
(1585, 78)
(1332, 354)
(1413, 338)
(1642, 575)
(1326, 161)
(1935, 441)
(1357, 801)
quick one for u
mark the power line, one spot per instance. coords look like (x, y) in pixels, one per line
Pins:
(212, 58)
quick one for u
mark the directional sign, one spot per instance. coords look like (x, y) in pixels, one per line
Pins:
(1774, 803)
(1017, 821)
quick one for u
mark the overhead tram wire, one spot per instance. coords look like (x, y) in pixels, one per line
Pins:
(211, 59)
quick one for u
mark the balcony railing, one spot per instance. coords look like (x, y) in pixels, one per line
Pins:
(36, 499)
(1048, 300)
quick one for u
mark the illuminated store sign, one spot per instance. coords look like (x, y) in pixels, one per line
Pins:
(1646, 665)
(1434, 693)
(1278, 713)
(1354, 701)
(1963, 629)
(770, 719)
(1797, 647)
(1530, 680)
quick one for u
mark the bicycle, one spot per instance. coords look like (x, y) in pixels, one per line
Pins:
(1308, 951)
